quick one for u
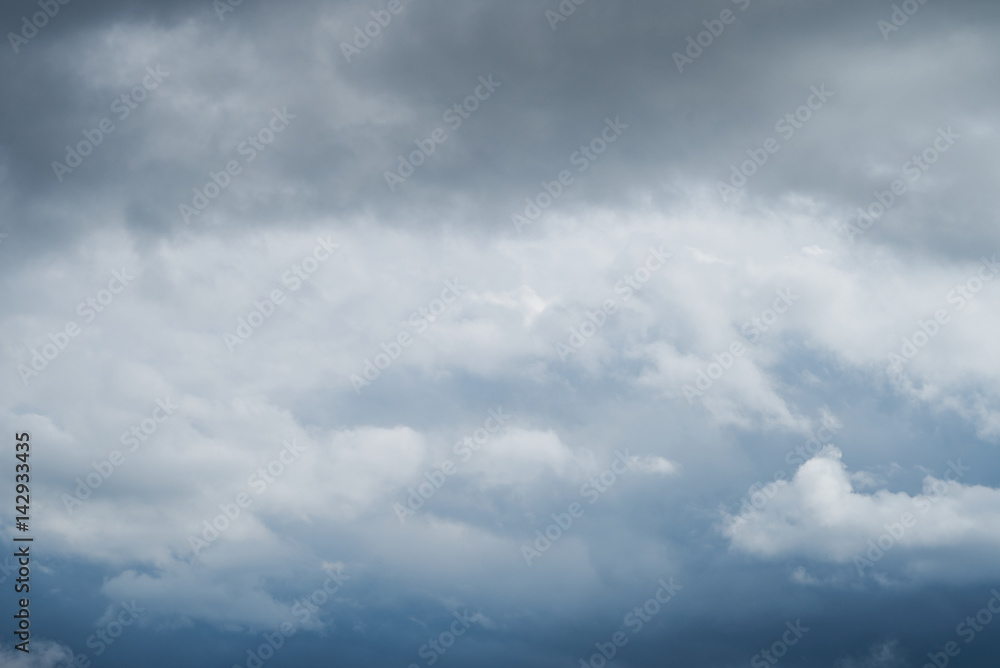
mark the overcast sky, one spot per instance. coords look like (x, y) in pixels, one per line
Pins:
(508, 333)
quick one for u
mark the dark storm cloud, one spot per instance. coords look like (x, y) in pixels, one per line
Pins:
(889, 97)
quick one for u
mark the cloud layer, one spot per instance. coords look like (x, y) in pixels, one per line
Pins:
(326, 314)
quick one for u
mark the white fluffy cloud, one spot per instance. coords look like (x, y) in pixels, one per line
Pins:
(819, 514)
(236, 408)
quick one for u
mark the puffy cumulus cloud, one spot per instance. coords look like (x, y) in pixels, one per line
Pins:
(923, 328)
(164, 339)
(819, 515)
(292, 374)
(193, 297)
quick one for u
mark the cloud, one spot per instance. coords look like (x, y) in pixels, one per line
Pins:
(169, 337)
(44, 654)
(818, 514)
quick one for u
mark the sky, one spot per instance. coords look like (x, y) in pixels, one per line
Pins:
(406, 333)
